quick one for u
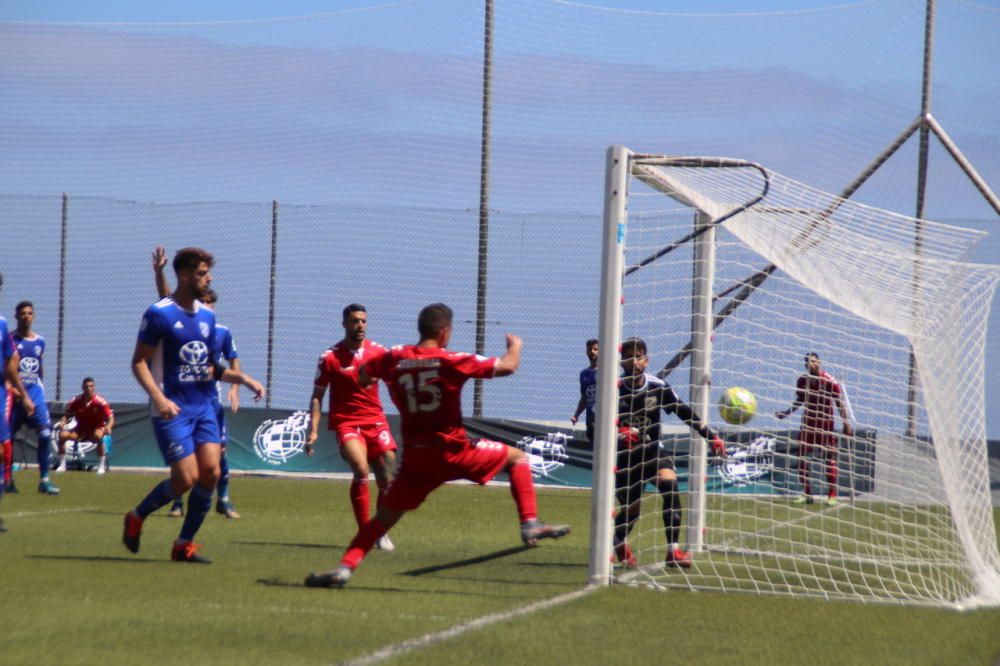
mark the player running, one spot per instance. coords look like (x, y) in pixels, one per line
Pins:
(425, 381)
(641, 457)
(819, 391)
(225, 350)
(174, 364)
(356, 413)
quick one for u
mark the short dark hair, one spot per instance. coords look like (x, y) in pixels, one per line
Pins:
(590, 343)
(811, 355)
(85, 380)
(433, 319)
(353, 307)
(633, 345)
(188, 258)
(211, 296)
(23, 304)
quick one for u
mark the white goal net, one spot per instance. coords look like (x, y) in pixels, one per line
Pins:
(899, 510)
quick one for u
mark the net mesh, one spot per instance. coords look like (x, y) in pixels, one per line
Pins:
(857, 286)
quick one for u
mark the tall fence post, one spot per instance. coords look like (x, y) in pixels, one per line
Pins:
(484, 204)
(62, 295)
(271, 300)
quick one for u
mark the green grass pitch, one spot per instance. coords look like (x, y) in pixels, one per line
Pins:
(72, 594)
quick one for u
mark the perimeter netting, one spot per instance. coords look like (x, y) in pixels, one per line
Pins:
(798, 271)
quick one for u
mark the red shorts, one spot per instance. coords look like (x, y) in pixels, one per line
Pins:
(822, 437)
(376, 436)
(424, 468)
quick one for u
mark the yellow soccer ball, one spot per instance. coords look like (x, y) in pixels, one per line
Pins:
(737, 405)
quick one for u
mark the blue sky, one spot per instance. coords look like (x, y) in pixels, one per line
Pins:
(382, 107)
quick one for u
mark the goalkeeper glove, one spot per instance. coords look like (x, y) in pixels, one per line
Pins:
(628, 436)
(718, 446)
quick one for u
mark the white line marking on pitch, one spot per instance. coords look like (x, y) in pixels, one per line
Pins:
(25, 514)
(485, 621)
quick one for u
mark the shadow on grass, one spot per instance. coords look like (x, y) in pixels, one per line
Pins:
(277, 582)
(479, 559)
(322, 546)
(98, 558)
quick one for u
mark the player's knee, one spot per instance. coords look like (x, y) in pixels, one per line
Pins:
(515, 455)
(666, 484)
(666, 475)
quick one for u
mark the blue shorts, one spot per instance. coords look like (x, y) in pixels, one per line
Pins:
(180, 436)
(39, 421)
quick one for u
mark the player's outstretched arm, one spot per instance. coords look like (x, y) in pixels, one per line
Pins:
(511, 359)
(687, 414)
(166, 408)
(233, 377)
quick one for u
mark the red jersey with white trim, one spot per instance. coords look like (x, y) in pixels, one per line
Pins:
(90, 414)
(349, 403)
(819, 394)
(426, 386)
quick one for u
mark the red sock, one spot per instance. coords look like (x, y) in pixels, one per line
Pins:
(359, 500)
(831, 472)
(523, 490)
(362, 542)
(8, 460)
(804, 473)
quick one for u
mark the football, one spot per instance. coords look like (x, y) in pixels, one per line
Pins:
(737, 405)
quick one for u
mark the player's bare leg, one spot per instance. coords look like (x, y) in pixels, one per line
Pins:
(384, 468)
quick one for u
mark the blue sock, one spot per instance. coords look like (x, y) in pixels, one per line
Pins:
(44, 452)
(199, 502)
(159, 496)
(223, 486)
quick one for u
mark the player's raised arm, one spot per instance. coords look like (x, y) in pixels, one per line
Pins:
(141, 357)
(511, 359)
(671, 402)
(159, 263)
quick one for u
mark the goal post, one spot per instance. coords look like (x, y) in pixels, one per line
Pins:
(738, 273)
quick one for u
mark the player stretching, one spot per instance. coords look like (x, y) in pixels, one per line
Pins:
(356, 413)
(641, 457)
(819, 392)
(31, 347)
(425, 382)
(174, 364)
(224, 350)
(94, 422)
(9, 361)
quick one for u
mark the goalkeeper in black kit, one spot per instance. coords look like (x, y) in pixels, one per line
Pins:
(642, 459)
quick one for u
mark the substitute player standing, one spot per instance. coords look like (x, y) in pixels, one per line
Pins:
(425, 381)
(356, 413)
(588, 390)
(174, 364)
(819, 391)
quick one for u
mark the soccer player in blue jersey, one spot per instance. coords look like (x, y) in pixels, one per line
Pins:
(9, 360)
(588, 390)
(31, 349)
(225, 350)
(174, 364)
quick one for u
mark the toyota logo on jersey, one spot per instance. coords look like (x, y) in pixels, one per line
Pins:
(29, 366)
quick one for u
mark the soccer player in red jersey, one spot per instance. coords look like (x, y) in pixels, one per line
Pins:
(425, 381)
(94, 422)
(356, 413)
(819, 391)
